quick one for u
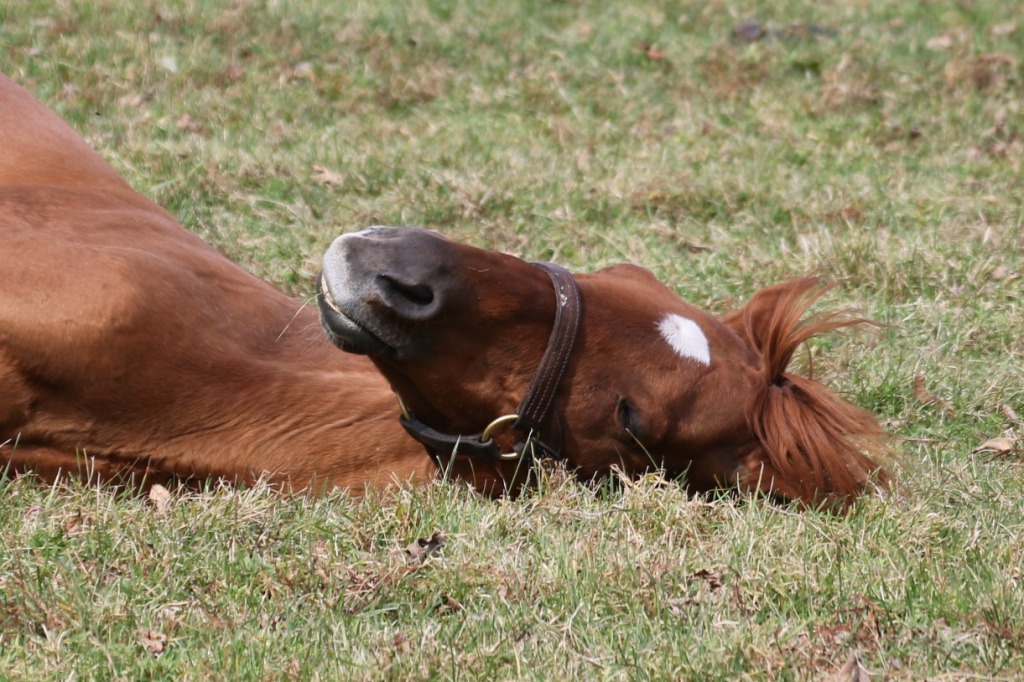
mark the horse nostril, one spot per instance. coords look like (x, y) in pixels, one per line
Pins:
(417, 294)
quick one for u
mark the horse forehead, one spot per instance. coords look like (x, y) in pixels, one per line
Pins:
(658, 318)
(685, 337)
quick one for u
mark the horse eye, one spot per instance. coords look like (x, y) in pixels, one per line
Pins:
(628, 418)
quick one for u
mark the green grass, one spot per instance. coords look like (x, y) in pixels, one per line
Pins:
(871, 152)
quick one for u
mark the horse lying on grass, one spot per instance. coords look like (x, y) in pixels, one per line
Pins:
(496, 361)
(130, 348)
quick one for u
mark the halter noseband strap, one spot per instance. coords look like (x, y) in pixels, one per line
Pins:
(535, 411)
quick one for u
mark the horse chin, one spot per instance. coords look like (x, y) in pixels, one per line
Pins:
(345, 332)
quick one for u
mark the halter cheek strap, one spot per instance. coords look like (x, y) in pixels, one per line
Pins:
(535, 412)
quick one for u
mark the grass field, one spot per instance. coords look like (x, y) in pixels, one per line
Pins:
(877, 142)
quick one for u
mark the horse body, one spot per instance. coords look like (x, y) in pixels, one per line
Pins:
(127, 345)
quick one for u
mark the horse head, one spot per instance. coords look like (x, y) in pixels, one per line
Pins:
(646, 381)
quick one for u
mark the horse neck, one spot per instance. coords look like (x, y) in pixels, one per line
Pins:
(275, 398)
(212, 371)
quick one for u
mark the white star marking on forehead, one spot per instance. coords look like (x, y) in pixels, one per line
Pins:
(685, 337)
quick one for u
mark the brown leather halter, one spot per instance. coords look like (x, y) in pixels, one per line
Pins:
(535, 411)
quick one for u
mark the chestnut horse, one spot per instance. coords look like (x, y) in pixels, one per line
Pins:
(128, 346)
(636, 379)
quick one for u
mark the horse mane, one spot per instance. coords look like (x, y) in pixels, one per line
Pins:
(813, 445)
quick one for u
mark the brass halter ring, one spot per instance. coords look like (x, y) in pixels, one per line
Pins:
(486, 435)
(492, 427)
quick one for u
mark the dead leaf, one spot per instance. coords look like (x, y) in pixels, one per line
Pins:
(943, 42)
(713, 579)
(999, 447)
(72, 523)
(892, 424)
(749, 32)
(325, 176)
(160, 498)
(1002, 273)
(448, 605)
(583, 160)
(708, 583)
(979, 72)
(851, 214)
(169, 616)
(926, 397)
(852, 671)
(169, 63)
(133, 100)
(155, 642)
(235, 72)
(1009, 413)
(304, 71)
(401, 643)
(320, 556)
(1004, 29)
(654, 54)
(188, 124)
(584, 30)
(424, 548)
